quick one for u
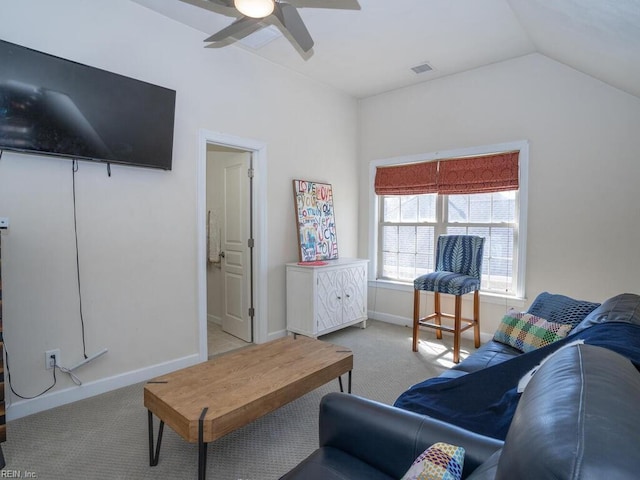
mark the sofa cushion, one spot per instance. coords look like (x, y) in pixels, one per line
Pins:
(441, 461)
(527, 332)
(487, 471)
(560, 308)
(577, 419)
(489, 354)
(329, 463)
(388, 438)
(621, 308)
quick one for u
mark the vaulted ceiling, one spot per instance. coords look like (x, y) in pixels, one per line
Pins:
(372, 49)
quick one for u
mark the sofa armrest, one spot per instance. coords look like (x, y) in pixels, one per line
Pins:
(389, 438)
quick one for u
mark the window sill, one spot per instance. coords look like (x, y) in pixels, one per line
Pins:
(488, 297)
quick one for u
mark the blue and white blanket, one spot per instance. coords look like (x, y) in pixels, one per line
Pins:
(485, 401)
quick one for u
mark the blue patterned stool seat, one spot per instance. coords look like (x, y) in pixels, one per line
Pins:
(447, 282)
(458, 272)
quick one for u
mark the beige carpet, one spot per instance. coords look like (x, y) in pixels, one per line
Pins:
(106, 437)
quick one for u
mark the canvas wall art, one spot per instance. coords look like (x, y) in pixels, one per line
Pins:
(315, 220)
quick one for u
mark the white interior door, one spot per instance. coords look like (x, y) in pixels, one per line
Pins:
(236, 273)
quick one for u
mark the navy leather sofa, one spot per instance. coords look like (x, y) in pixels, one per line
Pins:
(577, 419)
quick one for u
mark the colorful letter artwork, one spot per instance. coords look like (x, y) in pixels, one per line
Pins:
(316, 221)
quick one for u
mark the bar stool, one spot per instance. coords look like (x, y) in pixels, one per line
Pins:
(458, 272)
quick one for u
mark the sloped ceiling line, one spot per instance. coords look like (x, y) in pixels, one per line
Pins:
(369, 51)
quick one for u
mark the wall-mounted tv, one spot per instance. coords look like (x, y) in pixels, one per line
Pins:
(53, 106)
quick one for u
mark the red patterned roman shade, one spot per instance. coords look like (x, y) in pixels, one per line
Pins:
(483, 174)
(410, 179)
(466, 175)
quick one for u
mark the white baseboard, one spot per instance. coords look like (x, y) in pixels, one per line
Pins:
(388, 318)
(22, 408)
(215, 319)
(277, 335)
(408, 322)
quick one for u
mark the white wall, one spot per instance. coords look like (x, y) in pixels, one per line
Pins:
(137, 229)
(584, 222)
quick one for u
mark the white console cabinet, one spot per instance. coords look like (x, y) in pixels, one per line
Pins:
(321, 299)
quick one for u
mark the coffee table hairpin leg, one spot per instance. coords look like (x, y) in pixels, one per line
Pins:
(340, 382)
(154, 456)
(202, 447)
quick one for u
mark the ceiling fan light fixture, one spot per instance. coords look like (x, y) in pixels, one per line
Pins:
(255, 8)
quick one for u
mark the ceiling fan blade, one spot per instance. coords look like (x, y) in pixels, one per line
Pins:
(222, 3)
(239, 26)
(211, 5)
(291, 20)
(333, 4)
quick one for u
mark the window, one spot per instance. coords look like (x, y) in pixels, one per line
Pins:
(411, 223)
(407, 235)
(408, 226)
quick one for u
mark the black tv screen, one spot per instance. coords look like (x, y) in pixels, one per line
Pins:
(49, 105)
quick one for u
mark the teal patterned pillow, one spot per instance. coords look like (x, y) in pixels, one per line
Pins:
(441, 461)
(527, 332)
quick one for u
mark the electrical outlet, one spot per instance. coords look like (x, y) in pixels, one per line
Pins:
(49, 362)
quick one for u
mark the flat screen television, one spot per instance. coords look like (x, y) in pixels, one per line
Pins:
(53, 106)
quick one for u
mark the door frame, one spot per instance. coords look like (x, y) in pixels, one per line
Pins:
(258, 152)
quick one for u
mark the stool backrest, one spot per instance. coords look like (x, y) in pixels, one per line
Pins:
(460, 254)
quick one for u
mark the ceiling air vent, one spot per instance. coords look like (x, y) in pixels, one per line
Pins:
(425, 67)
(260, 38)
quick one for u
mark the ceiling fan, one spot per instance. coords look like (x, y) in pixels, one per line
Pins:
(255, 11)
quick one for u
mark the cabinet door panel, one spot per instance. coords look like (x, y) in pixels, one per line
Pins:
(329, 298)
(353, 284)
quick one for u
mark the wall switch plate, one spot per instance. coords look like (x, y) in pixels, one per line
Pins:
(4, 222)
(49, 362)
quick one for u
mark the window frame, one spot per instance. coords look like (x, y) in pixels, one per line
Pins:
(519, 253)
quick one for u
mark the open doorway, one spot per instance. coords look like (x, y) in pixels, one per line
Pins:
(229, 249)
(232, 242)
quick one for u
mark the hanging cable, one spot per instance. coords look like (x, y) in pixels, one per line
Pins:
(74, 378)
(74, 169)
(6, 353)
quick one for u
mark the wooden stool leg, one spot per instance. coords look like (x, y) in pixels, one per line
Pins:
(476, 318)
(456, 333)
(437, 319)
(416, 318)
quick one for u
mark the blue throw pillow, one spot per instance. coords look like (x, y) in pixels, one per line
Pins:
(561, 309)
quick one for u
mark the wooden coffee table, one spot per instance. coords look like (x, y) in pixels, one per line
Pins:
(204, 402)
